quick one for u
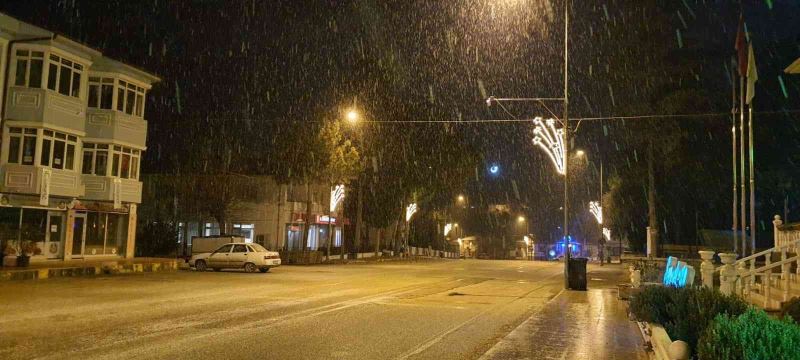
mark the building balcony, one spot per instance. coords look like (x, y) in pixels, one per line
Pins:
(105, 188)
(50, 108)
(115, 126)
(28, 179)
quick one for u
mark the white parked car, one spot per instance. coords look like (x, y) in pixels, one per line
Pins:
(250, 257)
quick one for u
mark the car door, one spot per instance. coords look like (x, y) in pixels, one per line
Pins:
(219, 258)
(238, 256)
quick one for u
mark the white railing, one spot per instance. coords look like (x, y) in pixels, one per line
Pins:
(739, 276)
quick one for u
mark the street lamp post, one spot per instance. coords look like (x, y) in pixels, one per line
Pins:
(563, 137)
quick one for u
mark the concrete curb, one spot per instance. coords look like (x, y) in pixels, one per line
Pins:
(105, 268)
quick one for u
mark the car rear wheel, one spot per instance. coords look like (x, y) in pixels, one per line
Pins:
(264, 269)
(250, 267)
(200, 265)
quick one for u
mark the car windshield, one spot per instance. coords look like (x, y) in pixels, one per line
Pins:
(258, 248)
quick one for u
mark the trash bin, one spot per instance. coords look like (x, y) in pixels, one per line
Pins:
(577, 273)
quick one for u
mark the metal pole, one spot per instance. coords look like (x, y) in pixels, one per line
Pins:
(735, 161)
(743, 191)
(566, 145)
(752, 182)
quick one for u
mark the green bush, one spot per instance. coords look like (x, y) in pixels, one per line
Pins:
(684, 312)
(752, 335)
(792, 309)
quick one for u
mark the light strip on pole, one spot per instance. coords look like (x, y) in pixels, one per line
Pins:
(596, 210)
(410, 210)
(337, 195)
(551, 140)
(607, 234)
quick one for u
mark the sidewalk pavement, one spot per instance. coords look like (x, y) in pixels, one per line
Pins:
(61, 268)
(589, 324)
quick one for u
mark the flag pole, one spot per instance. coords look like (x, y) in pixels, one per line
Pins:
(735, 161)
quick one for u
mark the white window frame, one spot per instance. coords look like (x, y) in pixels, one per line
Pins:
(62, 64)
(97, 83)
(27, 54)
(118, 153)
(94, 149)
(55, 136)
(130, 98)
(23, 134)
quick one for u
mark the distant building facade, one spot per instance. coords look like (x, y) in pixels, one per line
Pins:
(73, 135)
(274, 217)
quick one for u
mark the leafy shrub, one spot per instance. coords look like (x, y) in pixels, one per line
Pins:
(650, 270)
(684, 312)
(792, 309)
(752, 335)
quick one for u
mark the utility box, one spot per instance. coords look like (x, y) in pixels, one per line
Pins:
(577, 273)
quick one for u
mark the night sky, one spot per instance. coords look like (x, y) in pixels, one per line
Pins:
(240, 72)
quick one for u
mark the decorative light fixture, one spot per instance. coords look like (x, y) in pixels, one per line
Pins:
(410, 210)
(596, 210)
(607, 233)
(447, 228)
(551, 140)
(337, 195)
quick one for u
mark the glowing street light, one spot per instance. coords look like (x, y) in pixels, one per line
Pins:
(580, 153)
(521, 218)
(352, 116)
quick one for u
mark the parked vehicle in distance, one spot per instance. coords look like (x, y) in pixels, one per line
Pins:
(250, 257)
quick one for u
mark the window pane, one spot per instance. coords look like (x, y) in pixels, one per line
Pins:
(120, 99)
(64, 80)
(117, 234)
(95, 233)
(238, 248)
(87, 162)
(70, 160)
(76, 84)
(126, 163)
(58, 155)
(46, 143)
(115, 165)
(135, 168)
(94, 95)
(139, 100)
(129, 102)
(9, 223)
(13, 150)
(101, 163)
(106, 96)
(35, 80)
(28, 150)
(52, 76)
(22, 68)
(34, 222)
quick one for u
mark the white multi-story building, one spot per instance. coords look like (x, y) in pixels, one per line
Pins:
(73, 134)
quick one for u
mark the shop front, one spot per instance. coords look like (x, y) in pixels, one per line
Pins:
(318, 233)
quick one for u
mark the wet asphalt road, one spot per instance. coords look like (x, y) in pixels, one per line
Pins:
(452, 309)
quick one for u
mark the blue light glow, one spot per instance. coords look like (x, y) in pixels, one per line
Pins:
(494, 169)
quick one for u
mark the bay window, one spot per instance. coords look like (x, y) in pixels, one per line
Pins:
(130, 98)
(95, 159)
(58, 150)
(64, 76)
(101, 92)
(21, 146)
(29, 68)
(124, 160)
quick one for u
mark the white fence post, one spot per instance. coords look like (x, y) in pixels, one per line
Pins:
(776, 233)
(727, 276)
(707, 268)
